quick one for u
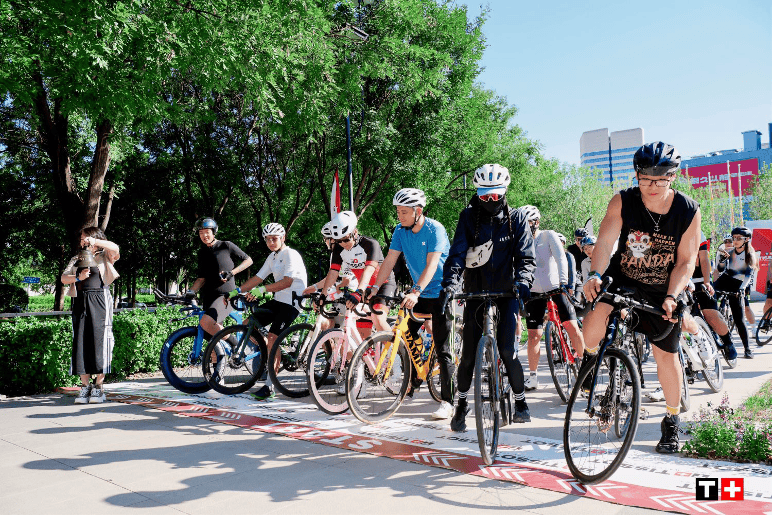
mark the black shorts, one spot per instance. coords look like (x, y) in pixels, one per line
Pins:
(535, 311)
(705, 300)
(218, 309)
(388, 289)
(654, 326)
(280, 317)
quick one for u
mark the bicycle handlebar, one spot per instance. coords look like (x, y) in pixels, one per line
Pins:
(625, 299)
(395, 299)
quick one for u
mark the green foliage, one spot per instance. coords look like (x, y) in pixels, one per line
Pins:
(36, 351)
(761, 190)
(743, 435)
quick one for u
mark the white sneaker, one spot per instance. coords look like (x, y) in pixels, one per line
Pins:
(83, 395)
(531, 382)
(97, 396)
(341, 388)
(444, 412)
(656, 395)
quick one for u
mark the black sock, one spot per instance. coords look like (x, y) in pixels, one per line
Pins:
(726, 339)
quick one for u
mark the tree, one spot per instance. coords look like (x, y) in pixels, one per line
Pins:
(761, 191)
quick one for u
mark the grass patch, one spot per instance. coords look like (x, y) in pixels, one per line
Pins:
(743, 434)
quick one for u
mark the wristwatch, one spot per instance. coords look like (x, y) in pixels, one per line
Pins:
(594, 273)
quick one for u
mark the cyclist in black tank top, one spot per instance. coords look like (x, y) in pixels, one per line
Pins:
(659, 231)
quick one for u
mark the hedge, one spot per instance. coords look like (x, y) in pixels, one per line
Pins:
(35, 351)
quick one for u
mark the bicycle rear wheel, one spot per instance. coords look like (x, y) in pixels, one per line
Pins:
(375, 397)
(713, 372)
(593, 452)
(686, 399)
(726, 311)
(433, 378)
(764, 329)
(292, 346)
(486, 398)
(327, 360)
(180, 365)
(563, 372)
(228, 370)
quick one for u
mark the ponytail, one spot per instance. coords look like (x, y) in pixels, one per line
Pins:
(750, 256)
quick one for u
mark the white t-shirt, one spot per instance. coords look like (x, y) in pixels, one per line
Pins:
(551, 264)
(282, 264)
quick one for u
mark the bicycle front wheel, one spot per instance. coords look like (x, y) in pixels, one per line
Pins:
(764, 329)
(372, 395)
(180, 364)
(713, 372)
(726, 311)
(560, 367)
(327, 363)
(290, 351)
(686, 399)
(593, 452)
(486, 398)
(433, 378)
(232, 363)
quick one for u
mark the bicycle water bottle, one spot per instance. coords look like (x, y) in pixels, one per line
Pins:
(426, 338)
(702, 349)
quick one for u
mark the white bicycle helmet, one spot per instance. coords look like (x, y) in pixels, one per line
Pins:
(326, 233)
(344, 223)
(410, 197)
(531, 212)
(272, 228)
(491, 176)
(562, 238)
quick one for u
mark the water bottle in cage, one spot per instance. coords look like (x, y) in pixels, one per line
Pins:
(426, 337)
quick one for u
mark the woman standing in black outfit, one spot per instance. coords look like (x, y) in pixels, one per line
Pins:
(92, 314)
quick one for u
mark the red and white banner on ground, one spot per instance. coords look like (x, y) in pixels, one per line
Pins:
(522, 459)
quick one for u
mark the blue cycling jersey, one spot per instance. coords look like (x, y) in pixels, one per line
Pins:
(432, 238)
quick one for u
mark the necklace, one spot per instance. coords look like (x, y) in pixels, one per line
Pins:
(656, 222)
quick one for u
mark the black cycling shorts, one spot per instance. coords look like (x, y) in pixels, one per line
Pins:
(653, 325)
(280, 318)
(536, 309)
(388, 289)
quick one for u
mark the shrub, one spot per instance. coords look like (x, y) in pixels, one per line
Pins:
(35, 351)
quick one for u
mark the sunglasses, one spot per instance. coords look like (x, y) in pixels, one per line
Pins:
(344, 240)
(738, 238)
(490, 197)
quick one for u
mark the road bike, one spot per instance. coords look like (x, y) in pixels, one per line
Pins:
(182, 352)
(700, 353)
(764, 328)
(593, 453)
(722, 298)
(561, 358)
(290, 352)
(235, 357)
(382, 368)
(328, 361)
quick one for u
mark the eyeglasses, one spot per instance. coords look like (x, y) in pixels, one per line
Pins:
(738, 237)
(344, 240)
(656, 182)
(490, 197)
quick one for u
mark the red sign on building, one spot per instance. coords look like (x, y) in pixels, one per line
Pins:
(762, 242)
(742, 173)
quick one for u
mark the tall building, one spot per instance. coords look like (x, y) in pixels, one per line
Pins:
(612, 154)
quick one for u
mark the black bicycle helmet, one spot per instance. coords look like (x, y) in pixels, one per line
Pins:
(657, 159)
(206, 223)
(742, 231)
(580, 233)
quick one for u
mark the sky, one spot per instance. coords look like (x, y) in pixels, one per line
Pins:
(694, 74)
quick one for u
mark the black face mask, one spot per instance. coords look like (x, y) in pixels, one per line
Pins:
(492, 207)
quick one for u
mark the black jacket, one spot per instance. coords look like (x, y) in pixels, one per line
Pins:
(513, 257)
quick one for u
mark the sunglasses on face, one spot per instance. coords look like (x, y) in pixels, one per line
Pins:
(490, 197)
(738, 238)
(344, 240)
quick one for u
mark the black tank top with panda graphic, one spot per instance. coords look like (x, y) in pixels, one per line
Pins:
(645, 258)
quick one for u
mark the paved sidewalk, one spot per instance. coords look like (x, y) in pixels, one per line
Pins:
(119, 458)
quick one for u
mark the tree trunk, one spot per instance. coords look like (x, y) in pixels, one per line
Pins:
(99, 165)
(108, 208)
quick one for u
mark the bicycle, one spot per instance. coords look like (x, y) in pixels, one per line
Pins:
(488, 371)
(561, 358)
(235, 357)
(614, 398)
(382, 367)
(764, 328)
(700, 351)
(435, 389)
(722, 298)
(328, 361)
(291, 349)
(182, 351)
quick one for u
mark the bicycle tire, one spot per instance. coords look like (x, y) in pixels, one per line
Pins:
(587, 456)
(686, 399)
(726, 311)
(713, 372)
(625, 396)
(763, 340)
(179, 367)
(376, 398)
(232, 374)
(325, 359)
(433, 378)
(557, 361)
(486, 398)
(292, 377)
